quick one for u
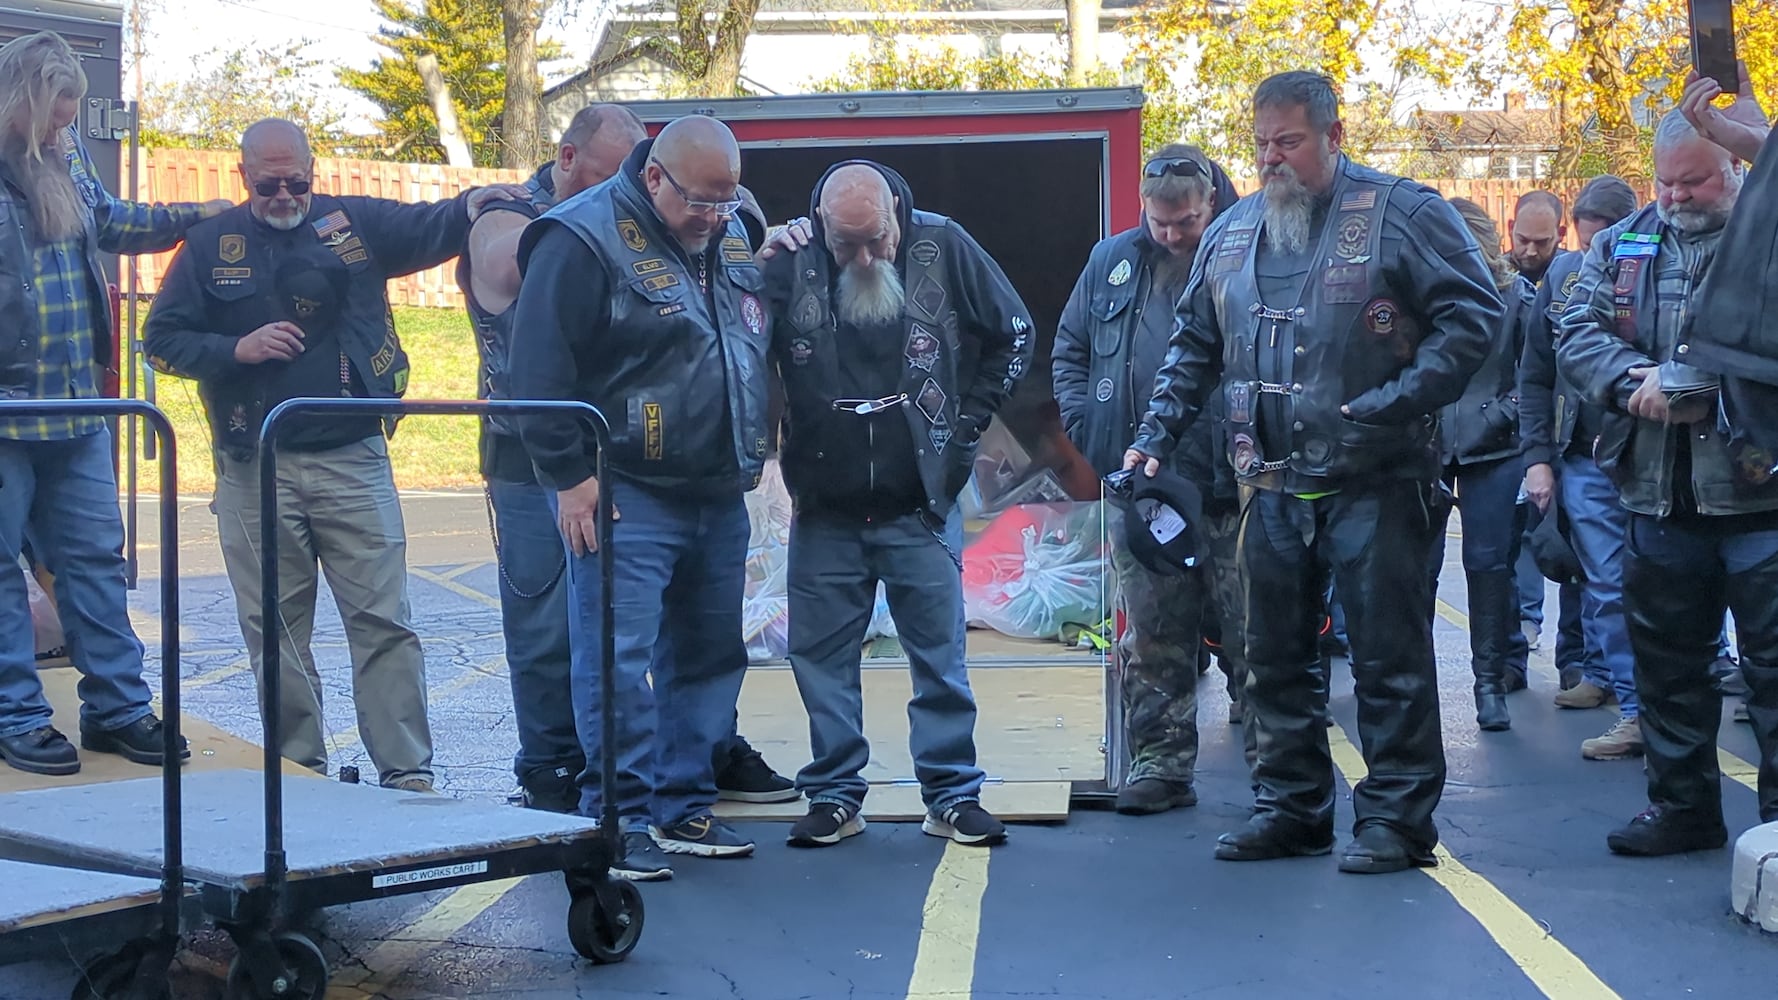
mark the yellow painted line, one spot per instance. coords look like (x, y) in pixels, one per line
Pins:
(1546, 961)
(348, 738)
(454, 587)
(950, 922)
(386, 965)
(218, 675)
(460, 570)
(1450, 613)
(1736, 769)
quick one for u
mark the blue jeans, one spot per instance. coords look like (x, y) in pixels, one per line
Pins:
(534, 619)
(60, 497)
(1597, 523)
(835, 564)
(680, 573)
(1487, 494)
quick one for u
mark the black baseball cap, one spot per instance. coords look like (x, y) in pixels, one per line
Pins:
(1161, 524)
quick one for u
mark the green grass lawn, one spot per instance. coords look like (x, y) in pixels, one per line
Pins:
(427, 451)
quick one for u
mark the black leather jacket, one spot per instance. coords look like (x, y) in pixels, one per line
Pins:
(1629, 311)
(221, 287)
(678, 371)
(1394, 330)
(1548, 403)
(968, 341)
(1483, 425)
(1109, 345)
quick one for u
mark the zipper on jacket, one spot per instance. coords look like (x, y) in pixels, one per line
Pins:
(870, 430)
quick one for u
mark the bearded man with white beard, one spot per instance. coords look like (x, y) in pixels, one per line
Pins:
(1337, 310)
(874, 326)
(283, 296)
(1703, 505)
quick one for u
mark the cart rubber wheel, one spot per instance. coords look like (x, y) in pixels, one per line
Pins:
(113, 975)
(301, 957)
(601, 935)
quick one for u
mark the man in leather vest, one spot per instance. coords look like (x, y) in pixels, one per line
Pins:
(286, 296)
(1336, 310)
(1703, 526)
(1109, 344)
(897, 338)
(1559, 426)
(641, 297)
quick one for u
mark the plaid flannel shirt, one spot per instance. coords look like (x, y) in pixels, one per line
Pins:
(69, 290)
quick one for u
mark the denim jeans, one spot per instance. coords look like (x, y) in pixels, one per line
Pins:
(534, 620)
(1597, 523)
(835, 564)
(680, 573)
(60, 497)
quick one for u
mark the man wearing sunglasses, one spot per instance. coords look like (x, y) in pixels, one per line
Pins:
(873, 324)
(285, 296)
(641, 296)
(1110, 342)
(1335, 310)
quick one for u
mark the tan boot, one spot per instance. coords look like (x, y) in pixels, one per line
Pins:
(1623, 740)
(1586, 694)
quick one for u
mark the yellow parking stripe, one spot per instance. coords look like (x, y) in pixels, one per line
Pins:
(386, 965)
(950, 922)
(1545, 961)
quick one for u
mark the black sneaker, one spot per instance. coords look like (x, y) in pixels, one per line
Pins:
(704, 836)
(642, 860)
(827, 823)
(1656, 832)
(555, 791)
(746, 777)
(40, 751)
(141, 741)
(966, 823)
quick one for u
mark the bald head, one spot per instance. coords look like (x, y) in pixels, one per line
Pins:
(693, 170)
(275, 157)
(593, 149)
(1537, 233)
(858, 213)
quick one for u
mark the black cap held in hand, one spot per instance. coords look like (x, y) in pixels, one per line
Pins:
(312, 284)
(1161, 528)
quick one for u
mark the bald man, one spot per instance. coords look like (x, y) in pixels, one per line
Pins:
(897, 338)
(286, 296)
(1538, 231)
(641, 296)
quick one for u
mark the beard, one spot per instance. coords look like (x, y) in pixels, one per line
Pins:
(1172, 270)
(1289, 210)
(1692, 219)
(56, 208)
(870, 296)
(285, 218)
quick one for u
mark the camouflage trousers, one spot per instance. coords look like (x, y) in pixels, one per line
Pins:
(1163, 617)
(1228, 603)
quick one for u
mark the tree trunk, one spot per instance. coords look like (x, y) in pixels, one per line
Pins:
(522, 130)
(722, 70)
(450, 135)
(1083, 41)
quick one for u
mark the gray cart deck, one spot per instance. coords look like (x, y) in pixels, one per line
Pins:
(330, 828)
(46, 911)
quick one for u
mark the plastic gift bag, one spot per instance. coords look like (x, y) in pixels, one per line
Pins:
(46, 624)
(765, 609)
(1038, 570)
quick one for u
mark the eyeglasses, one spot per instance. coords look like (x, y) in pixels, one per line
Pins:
(726, 207)
(866, 407)
(1178, 166)
(269, 187)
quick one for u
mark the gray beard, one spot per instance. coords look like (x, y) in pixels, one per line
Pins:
(1694, 221)
(1289, 210)
(871, 296)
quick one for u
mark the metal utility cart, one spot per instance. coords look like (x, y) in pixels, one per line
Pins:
(328, 843)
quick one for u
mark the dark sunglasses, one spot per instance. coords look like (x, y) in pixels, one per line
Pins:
(269, 188)
(1178, 166)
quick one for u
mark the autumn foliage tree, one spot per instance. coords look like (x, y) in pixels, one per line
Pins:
(1601, 60)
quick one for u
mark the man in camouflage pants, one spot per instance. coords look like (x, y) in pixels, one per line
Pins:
(1110, 342)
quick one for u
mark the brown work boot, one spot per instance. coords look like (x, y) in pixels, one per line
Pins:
(1623, 740)
(1586, 694)
(416, 784)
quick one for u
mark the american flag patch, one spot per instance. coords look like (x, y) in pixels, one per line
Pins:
(1358, 201)
(331, 223)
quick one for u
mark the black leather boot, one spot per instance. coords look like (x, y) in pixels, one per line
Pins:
(1492, 610)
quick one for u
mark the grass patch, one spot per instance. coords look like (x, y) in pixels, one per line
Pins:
(428, 452)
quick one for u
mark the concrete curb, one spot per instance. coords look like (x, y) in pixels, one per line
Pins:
(1753, 887)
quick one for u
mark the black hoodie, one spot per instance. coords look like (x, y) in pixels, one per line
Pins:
(961, 370)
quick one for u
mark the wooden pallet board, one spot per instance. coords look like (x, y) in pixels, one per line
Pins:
(37, 895)
(1035, 726)
(211, 748)
(1012, 801)
(329, 828)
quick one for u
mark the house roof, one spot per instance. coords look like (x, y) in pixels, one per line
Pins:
(1488, 128)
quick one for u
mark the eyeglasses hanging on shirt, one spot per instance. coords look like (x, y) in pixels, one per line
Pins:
(866, 407)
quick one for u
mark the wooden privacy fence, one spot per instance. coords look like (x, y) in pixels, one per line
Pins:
(199, 175)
